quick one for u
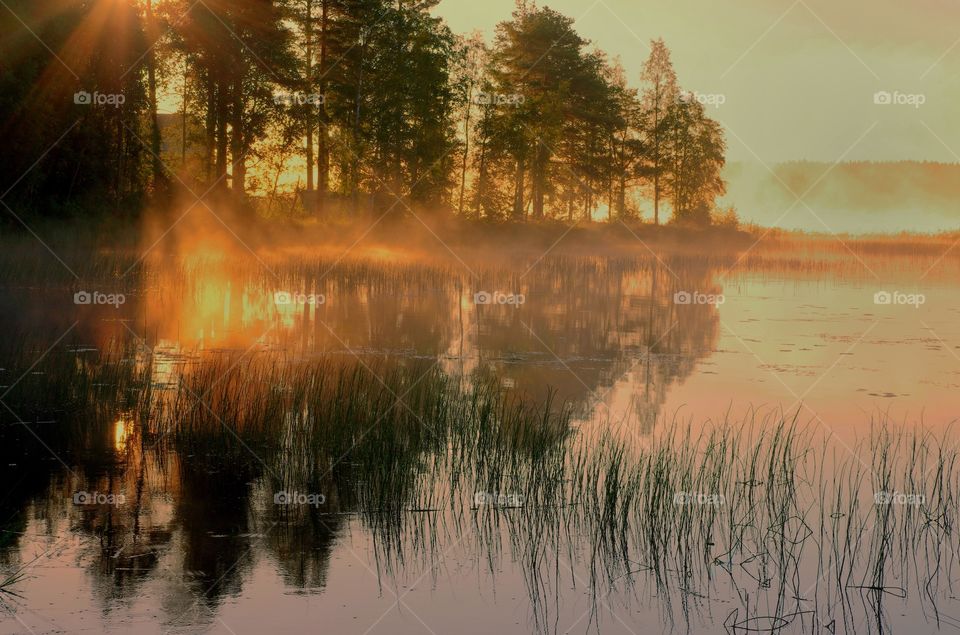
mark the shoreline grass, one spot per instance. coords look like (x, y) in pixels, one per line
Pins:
(764, 510)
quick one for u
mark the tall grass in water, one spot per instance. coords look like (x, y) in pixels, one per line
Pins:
(790, 526)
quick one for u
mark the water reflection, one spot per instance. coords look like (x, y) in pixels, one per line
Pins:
(586, 324)
(184, 412)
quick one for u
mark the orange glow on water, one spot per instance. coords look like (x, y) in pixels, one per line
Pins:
(122, 429)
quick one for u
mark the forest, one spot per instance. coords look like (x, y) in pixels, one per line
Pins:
(342, 107)
(463, 333)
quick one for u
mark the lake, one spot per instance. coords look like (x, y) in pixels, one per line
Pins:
(755, 437)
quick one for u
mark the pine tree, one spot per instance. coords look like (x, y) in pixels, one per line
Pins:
(660, 94)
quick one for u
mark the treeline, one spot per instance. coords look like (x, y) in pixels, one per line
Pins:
(369, 104)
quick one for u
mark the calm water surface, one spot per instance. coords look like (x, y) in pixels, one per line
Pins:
(194, 547)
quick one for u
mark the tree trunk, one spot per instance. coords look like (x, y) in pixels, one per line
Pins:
(481, 179)
(657, 160)
(656, 196)
(518, 190)
(158, 175)
(466, 149)
(539, 179)
(237, 146)
(308, 120)
(211, 129)
(183, 121)
(355, 159)
(481, 187)
(323, 146)
(221, 118)
(622, 197)
(609, 198)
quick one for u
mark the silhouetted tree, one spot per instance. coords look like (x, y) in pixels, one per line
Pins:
(551, 110)
(659, 95)
(697, 150)
(376, 100)
(71, 103)
(239, 51)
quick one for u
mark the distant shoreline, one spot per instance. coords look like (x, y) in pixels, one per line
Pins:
(426, 234)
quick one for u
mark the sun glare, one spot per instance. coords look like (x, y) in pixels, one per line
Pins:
(122, 430)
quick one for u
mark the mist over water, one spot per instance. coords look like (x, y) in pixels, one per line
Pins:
(363, 316)
(233, 432)
(847, 198)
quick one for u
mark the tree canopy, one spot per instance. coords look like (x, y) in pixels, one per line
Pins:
(354, 106)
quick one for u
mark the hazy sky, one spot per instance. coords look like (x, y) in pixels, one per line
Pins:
(798, 77)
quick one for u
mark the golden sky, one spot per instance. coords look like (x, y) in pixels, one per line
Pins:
(798, 78)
